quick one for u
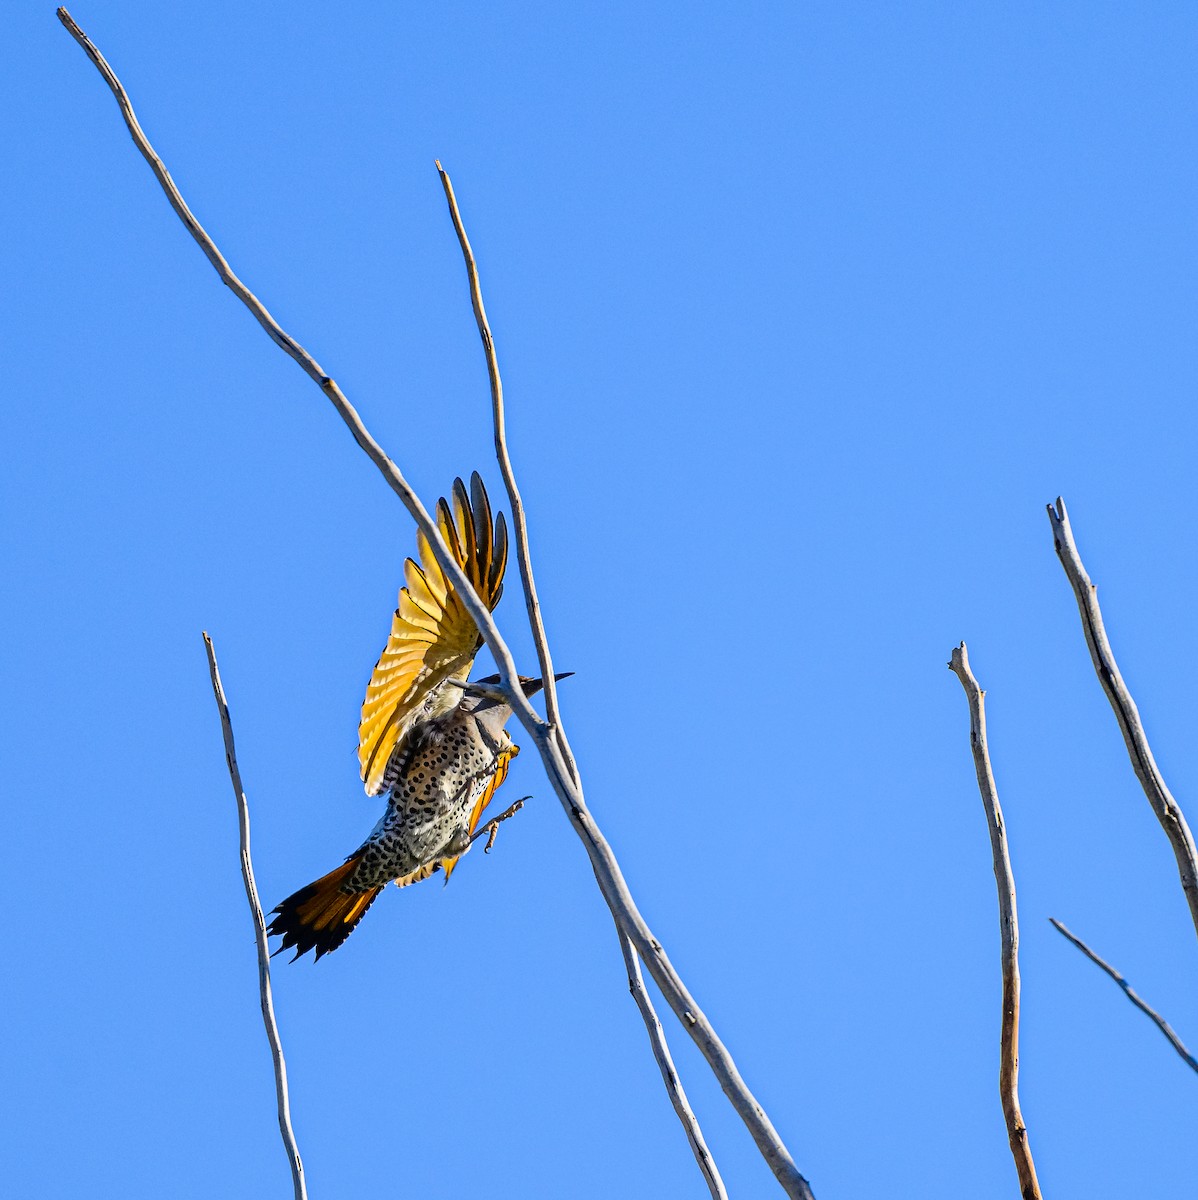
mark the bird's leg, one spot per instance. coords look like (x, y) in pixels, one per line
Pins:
(491, 828)
(457, 845)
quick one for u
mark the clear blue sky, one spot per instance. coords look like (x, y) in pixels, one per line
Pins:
(805, 312)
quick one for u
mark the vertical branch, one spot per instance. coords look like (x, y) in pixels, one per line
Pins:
(1168, 811)
(669, 1075)
(519, 521)
(1008, 1072)
(566, 784)
(251, 894)
(636, 984)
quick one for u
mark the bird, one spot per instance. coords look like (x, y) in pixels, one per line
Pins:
(429, 739)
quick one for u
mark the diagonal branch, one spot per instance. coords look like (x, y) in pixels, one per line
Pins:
(251, 894)
(1151, 1013)
(314, 371)
(565, 784)
(1008, 1071)
(669, 1074)
(1168, 811)
(657, 1037)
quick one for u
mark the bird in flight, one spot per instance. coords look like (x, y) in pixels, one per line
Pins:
(429, 740)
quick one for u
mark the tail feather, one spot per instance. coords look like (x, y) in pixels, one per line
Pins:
(321, 916)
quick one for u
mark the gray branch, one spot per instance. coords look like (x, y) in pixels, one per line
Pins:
(669, 1074)
(251, 894)
(1151, 1013)
(1167, 810)
(499, 421)
(566, 786)
(657, 1037)
(1008, 1071)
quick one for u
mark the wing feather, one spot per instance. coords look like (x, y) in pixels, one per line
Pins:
(484, 531)
(498, 557)
(433, 637)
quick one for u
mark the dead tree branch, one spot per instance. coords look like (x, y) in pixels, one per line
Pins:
(1151, 1013)
(1168, 811)
(669, 1074)
(499, 421)
(251, 894)
(567, 787)
(1008, 1072)
(657, 1037)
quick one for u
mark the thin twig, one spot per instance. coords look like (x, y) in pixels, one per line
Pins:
(657, 1037)
(251, 894)
(565, 784)
(1151, 1013)
(1008, 1071)
(519, 520)
(1168, 811)
(669, 1074)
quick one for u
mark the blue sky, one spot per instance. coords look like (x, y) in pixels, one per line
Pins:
(805, 312)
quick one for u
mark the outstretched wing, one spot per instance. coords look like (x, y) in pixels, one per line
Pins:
(433, 636)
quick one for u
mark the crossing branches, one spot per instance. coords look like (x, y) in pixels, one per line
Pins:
(547, 735)
(636, 984)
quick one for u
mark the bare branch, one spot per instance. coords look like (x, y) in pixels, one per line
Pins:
(251, 894)
(669, 1074)
(1156, 1017)
(519, 520)
(636, 985)
(565, 783)
(314, 371)
(1167, 810)
(1008, 1071)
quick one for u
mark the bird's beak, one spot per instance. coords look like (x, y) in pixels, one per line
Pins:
(532, 686)
(491, 689)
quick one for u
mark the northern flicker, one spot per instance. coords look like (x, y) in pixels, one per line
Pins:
(431, 741)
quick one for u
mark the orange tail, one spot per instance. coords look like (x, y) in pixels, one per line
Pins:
(321, 916)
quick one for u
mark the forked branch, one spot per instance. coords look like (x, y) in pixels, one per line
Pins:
(551, 748)
(1151, 1013)
(1008, 1070)
(1168, 811)
(251, 894)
